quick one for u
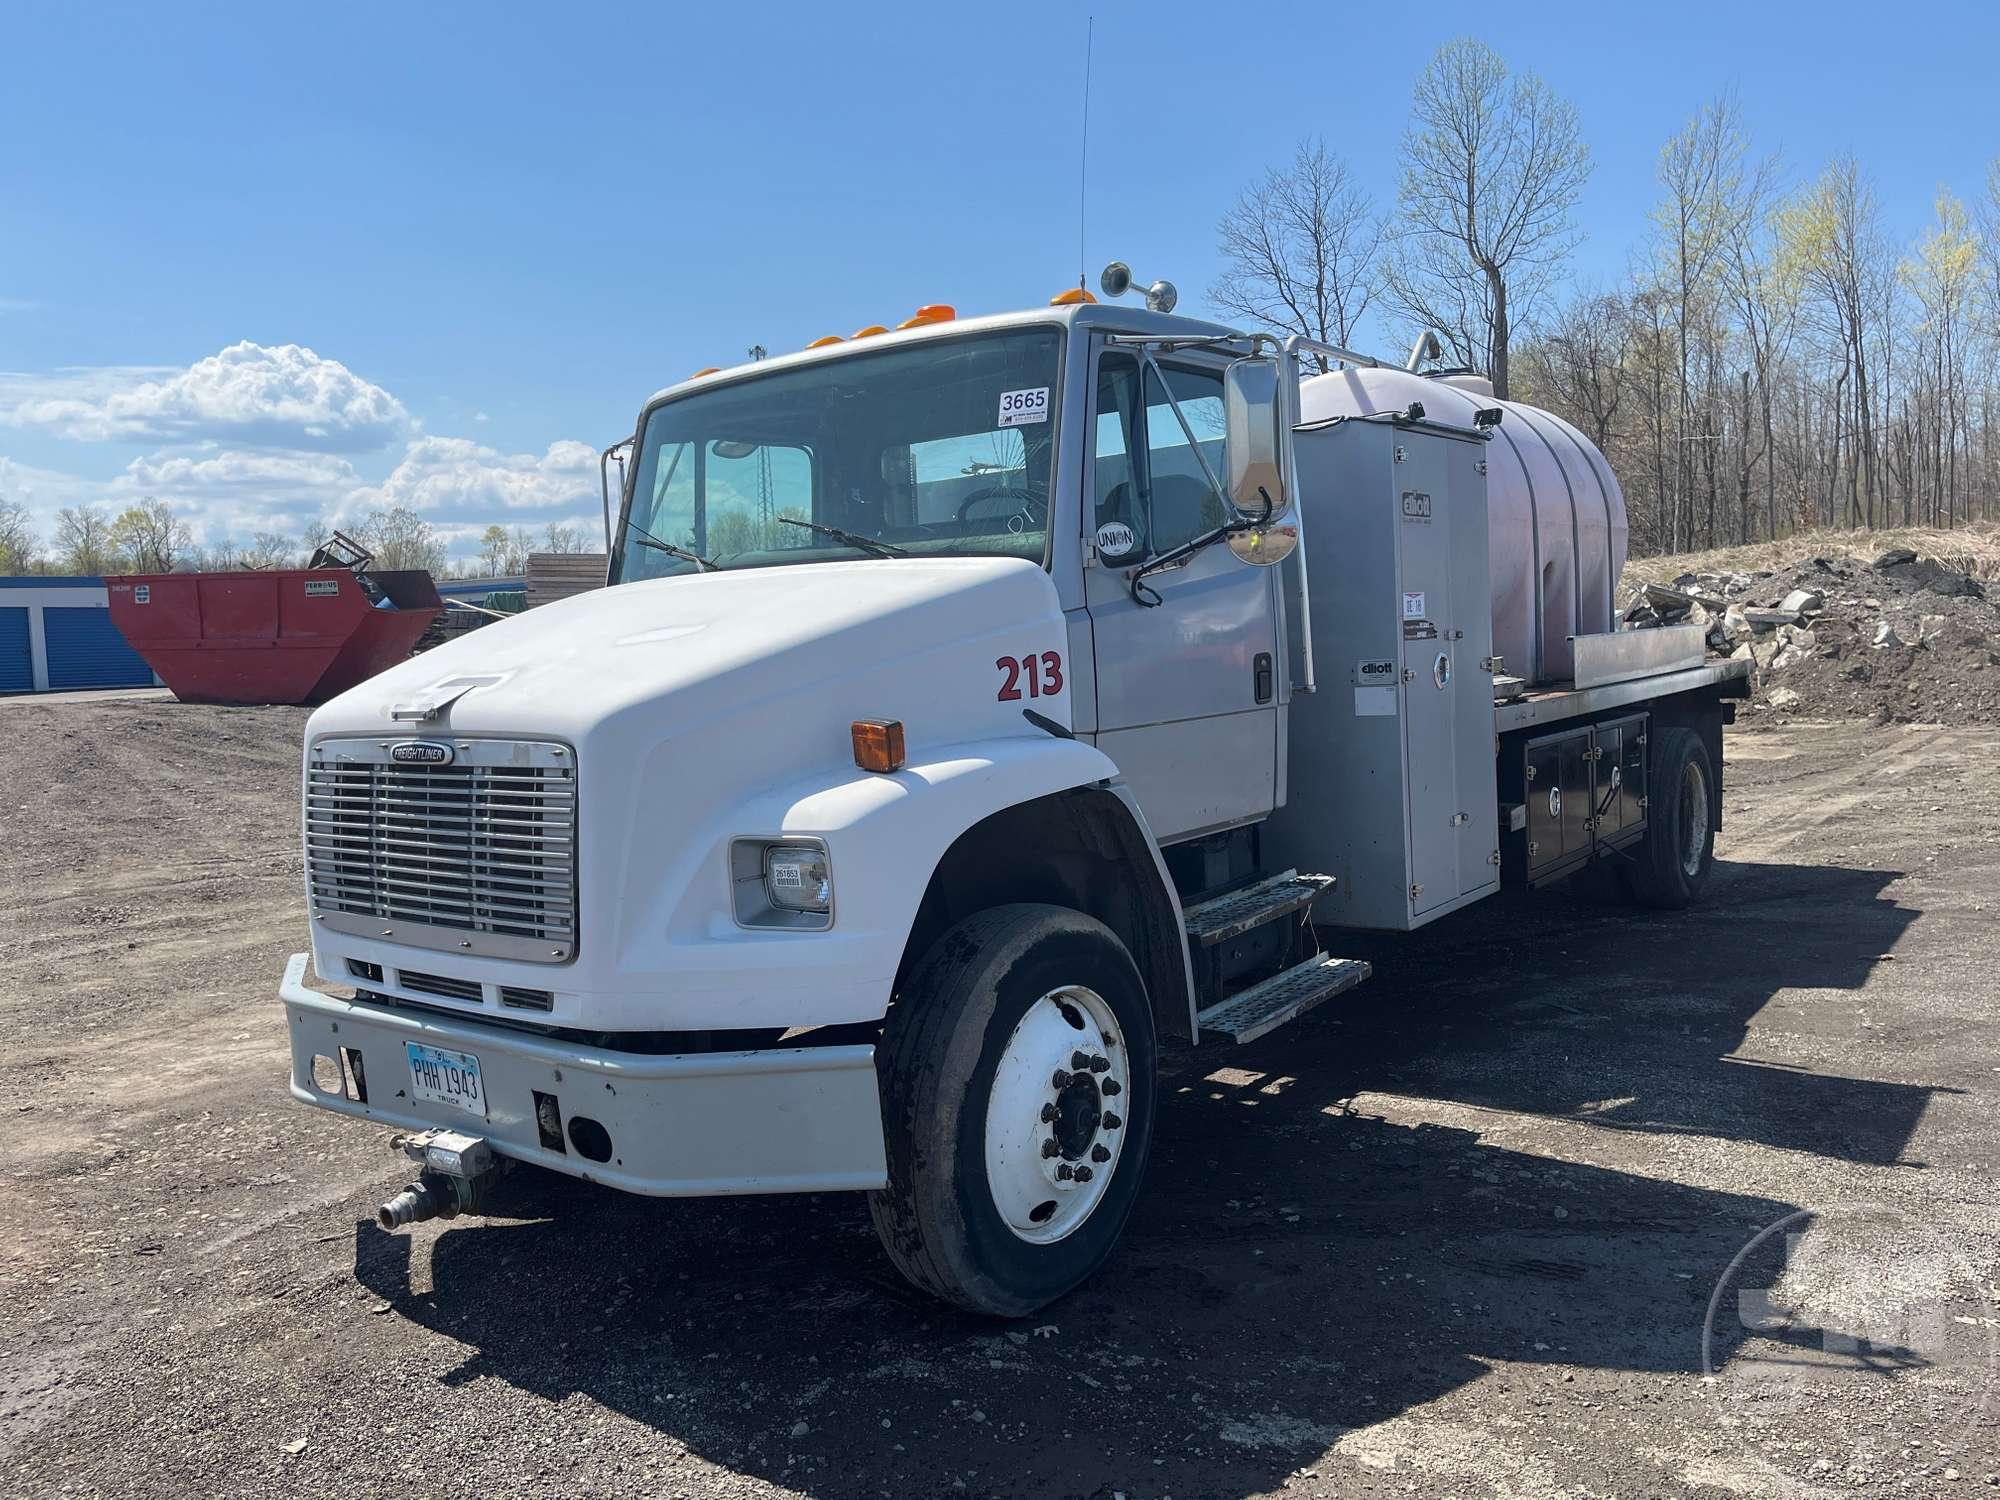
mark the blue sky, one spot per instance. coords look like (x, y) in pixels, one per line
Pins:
(498, 230)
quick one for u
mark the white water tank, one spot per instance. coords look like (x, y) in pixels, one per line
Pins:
(1555, 516)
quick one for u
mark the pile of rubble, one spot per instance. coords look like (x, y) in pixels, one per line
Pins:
(1902, 638)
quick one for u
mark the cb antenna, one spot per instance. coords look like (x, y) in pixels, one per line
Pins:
(1083, 154)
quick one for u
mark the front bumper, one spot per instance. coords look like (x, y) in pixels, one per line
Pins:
(783, 1120)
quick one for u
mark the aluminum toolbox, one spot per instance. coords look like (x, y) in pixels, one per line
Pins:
(1391, 771)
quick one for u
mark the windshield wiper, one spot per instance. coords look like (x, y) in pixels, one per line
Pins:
(647, 539)
(853, 539)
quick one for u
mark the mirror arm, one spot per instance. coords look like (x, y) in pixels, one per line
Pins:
(604, 482)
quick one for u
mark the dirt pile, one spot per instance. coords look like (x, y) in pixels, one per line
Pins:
(1899, 638)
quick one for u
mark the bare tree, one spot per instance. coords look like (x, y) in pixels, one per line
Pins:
(1299, 248)
(1766, 305)
(268, 550)
(149, 537)
(1702, 174)
(1831, 240)
(83, 539)
(17, 538)
(401, 539)
(493, 549)
(557, 537)
(1493, 163)
(1582, 362)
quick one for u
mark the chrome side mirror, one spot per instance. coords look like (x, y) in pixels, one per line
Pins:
(1255, 484)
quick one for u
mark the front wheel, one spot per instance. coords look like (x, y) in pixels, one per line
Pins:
(1017, 1074)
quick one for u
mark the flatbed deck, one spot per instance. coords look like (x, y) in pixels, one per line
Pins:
(1553, 705)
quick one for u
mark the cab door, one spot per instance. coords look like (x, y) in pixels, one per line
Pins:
(1188, 696)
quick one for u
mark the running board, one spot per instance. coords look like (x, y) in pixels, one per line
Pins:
(1236, 912)
(1264, 1007)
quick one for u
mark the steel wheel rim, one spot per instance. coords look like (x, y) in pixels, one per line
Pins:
(1055, 1130)
(1694, 818)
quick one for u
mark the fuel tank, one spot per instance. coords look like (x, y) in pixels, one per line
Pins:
(1555, 514)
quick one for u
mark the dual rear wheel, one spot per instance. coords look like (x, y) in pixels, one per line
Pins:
(1671, 864)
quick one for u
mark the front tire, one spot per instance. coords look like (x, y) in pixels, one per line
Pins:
(1017, 1072)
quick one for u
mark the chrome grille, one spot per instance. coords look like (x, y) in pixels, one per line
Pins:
(477, 856)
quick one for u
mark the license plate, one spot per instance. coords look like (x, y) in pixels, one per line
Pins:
(439, 1076)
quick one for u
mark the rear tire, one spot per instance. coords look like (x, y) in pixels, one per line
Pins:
(1012, 1168)
(1672, 862)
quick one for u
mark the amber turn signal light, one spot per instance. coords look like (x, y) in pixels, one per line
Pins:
(878, 744)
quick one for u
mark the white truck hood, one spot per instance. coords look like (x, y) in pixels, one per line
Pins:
(701, 645)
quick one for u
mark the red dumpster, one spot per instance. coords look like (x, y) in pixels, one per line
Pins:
(298, 636)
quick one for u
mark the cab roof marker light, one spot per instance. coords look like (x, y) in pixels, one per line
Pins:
(1074, 297)
(822, 342)
(869, 332)
(930, 312)
(710, 370)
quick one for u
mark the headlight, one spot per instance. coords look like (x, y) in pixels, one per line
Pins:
(796, 879)
(782, 883)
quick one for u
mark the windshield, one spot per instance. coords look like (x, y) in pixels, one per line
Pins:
(944, 447)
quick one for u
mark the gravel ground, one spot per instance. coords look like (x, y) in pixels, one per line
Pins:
(1461, 1239)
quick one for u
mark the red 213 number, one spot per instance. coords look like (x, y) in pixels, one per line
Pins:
(1044, 675)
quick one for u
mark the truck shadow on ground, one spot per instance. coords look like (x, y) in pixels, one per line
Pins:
(1305, 1266)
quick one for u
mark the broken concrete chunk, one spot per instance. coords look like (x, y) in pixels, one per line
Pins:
(1802, 601)
(1762, 620)
(1783, 699)
(1886, 638)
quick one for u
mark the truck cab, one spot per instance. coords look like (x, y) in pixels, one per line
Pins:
(922, 771)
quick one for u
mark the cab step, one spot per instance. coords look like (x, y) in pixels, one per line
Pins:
(1266, 1006)
(1236, 912)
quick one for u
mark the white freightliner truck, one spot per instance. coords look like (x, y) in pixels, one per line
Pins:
(975, 709)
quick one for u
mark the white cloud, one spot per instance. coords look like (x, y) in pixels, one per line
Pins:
(44, 491)
(458, 479)
(260, 438)
(282, 396)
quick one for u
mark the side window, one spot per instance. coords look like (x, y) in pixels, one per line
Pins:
(1117, 489)
(1147, 475)
(1184, 506)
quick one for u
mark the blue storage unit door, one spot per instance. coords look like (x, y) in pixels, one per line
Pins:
(86, 650)
(17, 664)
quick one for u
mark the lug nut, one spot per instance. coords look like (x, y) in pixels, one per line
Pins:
(1111, 1086)
(1050, 1114)
(1100, 1153)
(1064, 1171)
(1100, 1064)
(1110, 1121)
(1079, 1060)
(1061, 1079)
(1083, 1174)
(1050, 1148)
